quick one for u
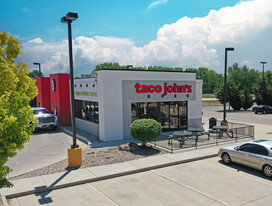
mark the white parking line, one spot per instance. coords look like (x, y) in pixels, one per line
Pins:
(236, 173)
(105, 196)
(191, 188)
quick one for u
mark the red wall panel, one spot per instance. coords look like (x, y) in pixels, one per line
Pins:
(60, 98)
(44, 97)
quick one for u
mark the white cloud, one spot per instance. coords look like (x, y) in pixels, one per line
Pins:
(246, 62)
(25, 10)
(189, 42)
(36, 41)
(156, 3)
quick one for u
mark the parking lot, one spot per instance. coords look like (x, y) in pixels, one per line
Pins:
(241, 116)
(204, 182)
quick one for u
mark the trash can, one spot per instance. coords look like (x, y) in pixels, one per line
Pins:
(212, 122)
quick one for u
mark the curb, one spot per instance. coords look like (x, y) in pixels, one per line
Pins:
(145, 169)
(79, 137)
(4, 199)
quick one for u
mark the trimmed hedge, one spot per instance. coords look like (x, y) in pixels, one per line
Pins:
(145, 130)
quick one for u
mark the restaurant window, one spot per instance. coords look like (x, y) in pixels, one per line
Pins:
(171, 115)
(87, 110)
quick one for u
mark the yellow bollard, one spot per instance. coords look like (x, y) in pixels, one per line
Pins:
(224, 123)
(74, 157)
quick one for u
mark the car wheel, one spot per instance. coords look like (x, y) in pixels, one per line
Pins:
(267, 170)
(256, 112)
(53, 127)
(226, 158)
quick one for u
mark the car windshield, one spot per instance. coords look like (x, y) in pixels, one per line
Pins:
(40, 111)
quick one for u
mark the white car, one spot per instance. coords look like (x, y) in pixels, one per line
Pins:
(45, 118)
(256, 154)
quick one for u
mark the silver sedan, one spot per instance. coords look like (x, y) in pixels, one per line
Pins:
(256, 154)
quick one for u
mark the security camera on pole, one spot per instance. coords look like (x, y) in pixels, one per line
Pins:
(74, 151)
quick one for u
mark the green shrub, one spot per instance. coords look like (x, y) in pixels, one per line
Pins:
(145, 130)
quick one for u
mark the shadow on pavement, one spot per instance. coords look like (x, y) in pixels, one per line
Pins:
(44, 199)
(248, 170)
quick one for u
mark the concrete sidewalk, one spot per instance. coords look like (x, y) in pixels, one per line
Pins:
(69, 178)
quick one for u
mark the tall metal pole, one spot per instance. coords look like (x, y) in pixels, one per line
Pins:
(263, 82)
(40, 70)
(72, 85)
(225, 84)
(263, 70)
(225, 81)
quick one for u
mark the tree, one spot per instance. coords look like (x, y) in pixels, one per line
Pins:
(263, 89)
(35, 73)
(247, 100)
(234, 96)
(16, 90)
(219, 92)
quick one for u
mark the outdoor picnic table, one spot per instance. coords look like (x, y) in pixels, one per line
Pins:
(196, 131)
(179, 136)
(220, 130)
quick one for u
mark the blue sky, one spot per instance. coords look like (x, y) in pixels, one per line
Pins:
(186, 33)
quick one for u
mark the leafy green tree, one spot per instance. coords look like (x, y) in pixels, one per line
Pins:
(219, 93)
(263, 89)
(243, 77)
(35, 73)
(234, 96)
(210, 79)
(247, 100)
(145, 130)
(16, 90)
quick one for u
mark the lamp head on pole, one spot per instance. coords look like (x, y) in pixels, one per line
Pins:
(230, 49)
(70, 16)
(263, 62)
(35, 63)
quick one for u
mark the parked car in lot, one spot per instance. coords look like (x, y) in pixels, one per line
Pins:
(45, 118)
(265, 109)
(256, 154)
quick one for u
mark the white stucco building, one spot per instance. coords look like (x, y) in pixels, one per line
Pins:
(108, 104)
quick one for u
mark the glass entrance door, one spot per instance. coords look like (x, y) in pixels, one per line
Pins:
(174, 115)
(183, 115)
(163, 114)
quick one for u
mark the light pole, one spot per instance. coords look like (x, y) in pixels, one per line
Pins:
(225, 84)
(263, 82)
(36, 63)
(74, 152)
(263, 69)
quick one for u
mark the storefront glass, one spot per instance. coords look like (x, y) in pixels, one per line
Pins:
(87, 110)
(171, 115)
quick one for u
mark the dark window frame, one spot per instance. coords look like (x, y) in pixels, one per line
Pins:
(87, 110)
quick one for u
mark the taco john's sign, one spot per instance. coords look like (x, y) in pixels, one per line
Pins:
(165, 89)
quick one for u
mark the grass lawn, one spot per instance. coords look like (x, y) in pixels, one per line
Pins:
(208, 96)
(211, 103)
